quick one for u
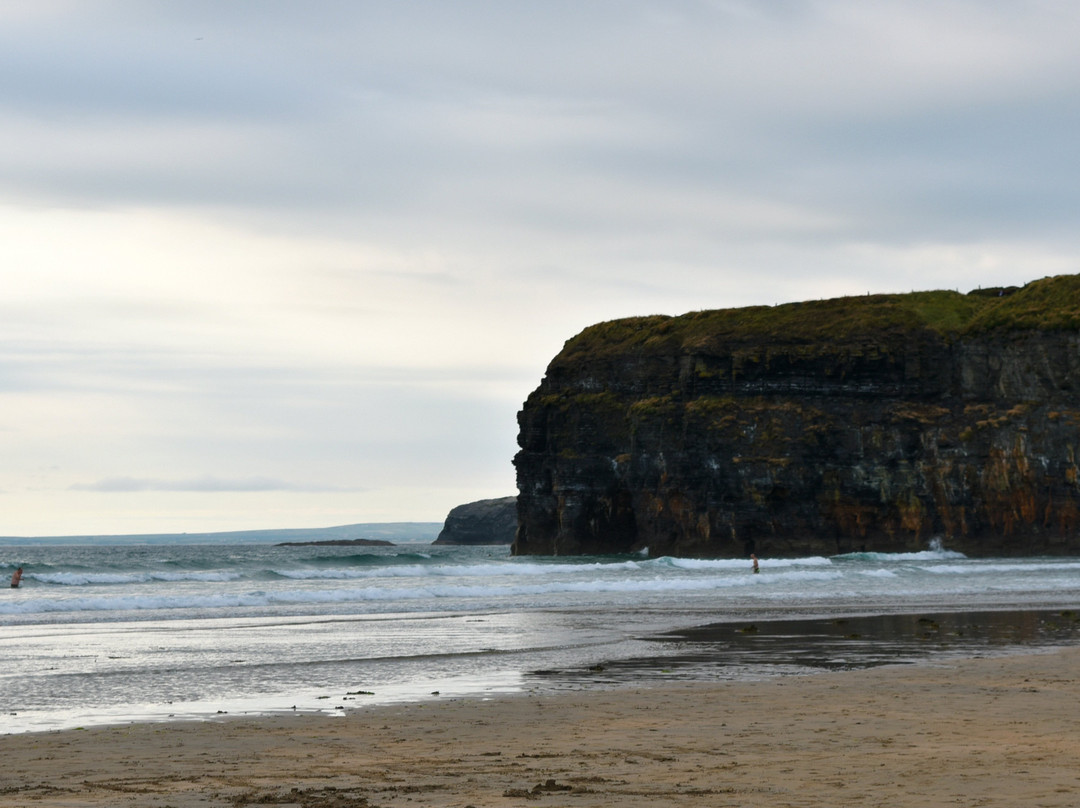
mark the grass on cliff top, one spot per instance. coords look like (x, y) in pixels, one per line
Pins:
(1050, 303)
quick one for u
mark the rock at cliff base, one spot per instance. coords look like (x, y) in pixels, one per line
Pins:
(488, 521)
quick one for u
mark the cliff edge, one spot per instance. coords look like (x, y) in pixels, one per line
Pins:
(873, 423)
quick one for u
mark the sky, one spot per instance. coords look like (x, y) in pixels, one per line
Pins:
(271, 264)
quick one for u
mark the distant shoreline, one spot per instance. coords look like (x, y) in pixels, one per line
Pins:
(392, 532)
(338, 543)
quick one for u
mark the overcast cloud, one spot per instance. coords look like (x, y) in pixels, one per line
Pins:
(284, 264)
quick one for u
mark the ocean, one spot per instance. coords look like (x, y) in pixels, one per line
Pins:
(110, 634)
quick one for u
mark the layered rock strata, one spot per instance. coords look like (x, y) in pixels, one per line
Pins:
(877, 423)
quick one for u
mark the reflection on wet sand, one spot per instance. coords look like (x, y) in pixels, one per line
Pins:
(740, 650)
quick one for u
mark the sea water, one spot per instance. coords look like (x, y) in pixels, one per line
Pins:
(103, 634)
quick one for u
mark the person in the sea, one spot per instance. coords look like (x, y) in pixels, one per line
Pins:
(16, 578)
(754, 559)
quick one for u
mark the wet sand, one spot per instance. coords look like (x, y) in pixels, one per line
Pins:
(968, 732)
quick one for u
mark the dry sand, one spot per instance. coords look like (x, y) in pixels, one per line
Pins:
(978, 732)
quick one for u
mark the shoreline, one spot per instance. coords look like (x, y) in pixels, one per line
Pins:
(754, 647)
(998, 730)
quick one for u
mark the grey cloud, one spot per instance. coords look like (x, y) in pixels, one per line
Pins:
(68, 366)
(487, 114)
(126, 61)
(353, 424)
(206, 484)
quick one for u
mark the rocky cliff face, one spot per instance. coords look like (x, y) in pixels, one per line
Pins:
(876, 423)
(488, 521)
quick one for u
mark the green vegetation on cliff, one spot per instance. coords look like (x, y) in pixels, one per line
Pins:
(1050, 303)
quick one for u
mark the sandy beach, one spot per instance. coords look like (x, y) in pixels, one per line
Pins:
(974, 732)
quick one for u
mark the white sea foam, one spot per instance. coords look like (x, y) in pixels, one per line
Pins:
(466, 579)
(741, 563)
(433, 592)
(452, 571)
(982, 568)
(91, 578)
(921, 555)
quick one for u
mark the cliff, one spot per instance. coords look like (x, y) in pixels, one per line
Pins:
(489, 521)
(873, 423)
